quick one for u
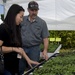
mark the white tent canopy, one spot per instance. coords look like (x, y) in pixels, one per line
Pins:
(58, 14)
(0, 20)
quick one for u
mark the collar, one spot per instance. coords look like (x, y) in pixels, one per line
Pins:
(35, 20)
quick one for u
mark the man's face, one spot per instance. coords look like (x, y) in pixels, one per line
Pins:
(33, 13)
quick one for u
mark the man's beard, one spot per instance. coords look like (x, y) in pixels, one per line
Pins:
(34, 16)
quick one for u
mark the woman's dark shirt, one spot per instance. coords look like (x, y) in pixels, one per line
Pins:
(11, 62)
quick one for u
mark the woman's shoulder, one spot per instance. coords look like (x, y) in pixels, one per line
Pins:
(2, 32)
(2, 27)
(4, 35)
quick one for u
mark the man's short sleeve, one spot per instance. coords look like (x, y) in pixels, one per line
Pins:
(45, 32)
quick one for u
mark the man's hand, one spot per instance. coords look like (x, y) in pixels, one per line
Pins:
(45, 55)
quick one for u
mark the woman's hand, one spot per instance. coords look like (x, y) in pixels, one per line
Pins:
(30, 62)
(22, 53)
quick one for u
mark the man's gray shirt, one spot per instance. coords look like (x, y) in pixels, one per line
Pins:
(33, 33)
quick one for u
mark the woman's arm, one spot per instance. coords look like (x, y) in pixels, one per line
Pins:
(18, 50)
(4, 48)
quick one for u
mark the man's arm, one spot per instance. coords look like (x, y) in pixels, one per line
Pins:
(46, 42)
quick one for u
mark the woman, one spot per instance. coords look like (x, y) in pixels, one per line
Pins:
(10, 40)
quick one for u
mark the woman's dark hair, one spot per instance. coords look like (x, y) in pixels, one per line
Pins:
(11, 23)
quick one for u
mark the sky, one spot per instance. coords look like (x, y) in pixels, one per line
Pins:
(1, 9)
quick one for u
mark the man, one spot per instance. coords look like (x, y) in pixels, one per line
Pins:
(34, 31)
